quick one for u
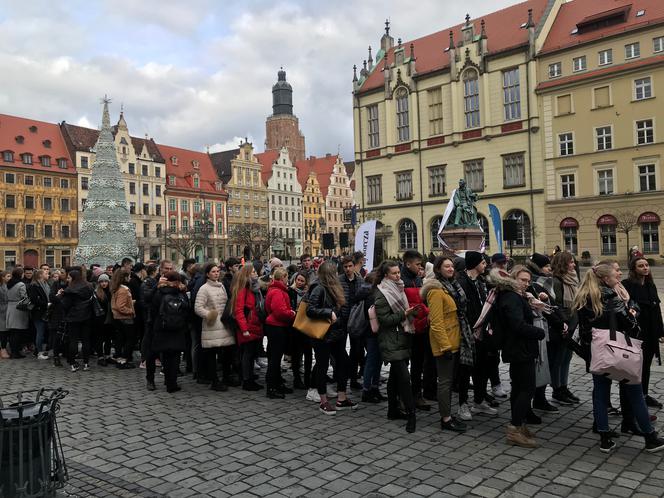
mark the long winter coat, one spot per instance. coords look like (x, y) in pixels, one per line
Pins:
(39, 299)
(3, 307)
(17, 319)
(278, 305)
(57, 313)
(246, 317)
(77, 303)
(210, 302)
(163, 340)
(444, 328)
(393, 342)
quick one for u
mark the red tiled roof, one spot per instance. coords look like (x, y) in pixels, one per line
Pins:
(503, 30)
(321, 166)
(267, 159)
(184, 169)
(584, 11)
(649, 61)
(45, 140)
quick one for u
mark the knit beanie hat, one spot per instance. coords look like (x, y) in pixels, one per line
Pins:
(97, 272)
(103, 278)
(473, 258)
(274, 262)
(540, 260)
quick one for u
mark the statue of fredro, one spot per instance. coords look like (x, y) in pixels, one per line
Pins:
(465, 212)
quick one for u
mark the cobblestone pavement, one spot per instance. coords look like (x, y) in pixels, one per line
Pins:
(122, 441)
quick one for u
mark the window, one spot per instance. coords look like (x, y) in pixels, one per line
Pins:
(650, 237)
(632, 50)
(570, 240)
(374, 137)
(171, 180)
(84, 183)
(197, 182)
(608, 235)
(172, 224)
(185, 224)
(404, 185)
(144, 170)
(658, 44)
(157, 190)
(568, 186)
(471, 99)
(403, 129)
(647, 181)
(64, 183)
(184, 206)
(435, 111)
(436, 181)
(374, 189)
(605, 181)
(473, 173)
(146, 230)
(146, 189)
(29, 202)
(220, 227)
(132, 188)
(602, 96)
(146, 209)
(28, 180)
(172, 204)
(10, 201)
(48, 204)
(257, 213)
(566, 144)
(48, 231)
(197, 206)
(10, 231)
(84, 162)
(62, 163)
(64, 205)
(8, 156)
(132, 168)
(246, 212)
(157, 209)
(157, 171)
(645, 132)
(603, 138)
(45, 161)
(10, 178)
(522, 228)
(48, 181)
(579, 63)
(514, 173)
(50, 257)
(642, 88)
(237, 210)
(64, 230)
(132, 208)
(564, 104)
(10, 259)
(555, 70)
(435, 227)
(511, 94)
(605, 57)
(407, 235)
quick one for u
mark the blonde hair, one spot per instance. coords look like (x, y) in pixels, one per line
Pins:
(590, 288)
(241, 280)
(519, 269)
(279, 273)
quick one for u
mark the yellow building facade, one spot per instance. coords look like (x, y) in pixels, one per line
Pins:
(313, 211)
(602, 76)
(457, 104)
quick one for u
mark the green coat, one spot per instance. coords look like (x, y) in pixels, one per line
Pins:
(394, 343)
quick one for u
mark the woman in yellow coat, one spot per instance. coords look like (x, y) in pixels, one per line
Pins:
(444, 335)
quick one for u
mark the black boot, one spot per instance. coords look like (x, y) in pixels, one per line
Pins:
(151, 386)
(606, 444)
(394, 413)
(654, 443)
(410, 424)
(217, 385)
(273, 393)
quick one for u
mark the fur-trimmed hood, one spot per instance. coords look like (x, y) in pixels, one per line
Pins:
(502, 280)
(429, 284)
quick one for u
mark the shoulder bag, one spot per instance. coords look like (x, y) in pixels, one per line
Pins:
(616, 355)
(314, 328)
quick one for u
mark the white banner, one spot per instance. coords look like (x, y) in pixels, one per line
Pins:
(365, 239)
(446, 216)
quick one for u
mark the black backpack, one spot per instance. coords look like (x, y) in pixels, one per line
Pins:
(174, 311)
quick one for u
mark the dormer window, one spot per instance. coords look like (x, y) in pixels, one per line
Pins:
(33, 129)
(196, 164)
(19, 139)
(47, 144)
(8, 156)
(45, 161)
(62, 163)
(197, 182)
(27, 158)
(218, 186)
(171, 180)
(174, 160)
(123, 141)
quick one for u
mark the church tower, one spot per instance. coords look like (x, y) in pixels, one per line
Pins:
(282, 128)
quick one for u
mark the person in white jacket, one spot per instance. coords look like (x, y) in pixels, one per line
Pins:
(216, 339)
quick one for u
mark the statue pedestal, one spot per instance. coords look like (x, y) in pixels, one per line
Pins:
(463, 239)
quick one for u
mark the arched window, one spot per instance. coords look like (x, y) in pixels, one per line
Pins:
(523, 231)
(471, 98)
(484, 223)
(403, 129)
(407, 235)
(435, 226)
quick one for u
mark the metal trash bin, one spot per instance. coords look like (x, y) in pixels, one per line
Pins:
(31, 460)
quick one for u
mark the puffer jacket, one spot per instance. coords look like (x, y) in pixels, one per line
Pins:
(321, 305)
(444, 328)
(278, 305)
(246, 317)
(211, 298)
(122, 304)
(393, 342)
(77, 303)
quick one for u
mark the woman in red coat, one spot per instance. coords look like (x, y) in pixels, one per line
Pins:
(245, 303)
(280, 317)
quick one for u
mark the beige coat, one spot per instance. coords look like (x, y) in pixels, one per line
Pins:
(210, 303)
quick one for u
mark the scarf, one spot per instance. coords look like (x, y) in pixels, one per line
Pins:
(570, 287)
(467, 350)
(396, 298)
(486, 308)
(44, 285)
(622, 293)
(299, 293)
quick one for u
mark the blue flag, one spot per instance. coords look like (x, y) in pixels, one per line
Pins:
(497, 222)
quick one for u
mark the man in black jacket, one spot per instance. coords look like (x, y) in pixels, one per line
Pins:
(351, 283)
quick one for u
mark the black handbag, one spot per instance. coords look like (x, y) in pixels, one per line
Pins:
(25, 304)
(97, 308)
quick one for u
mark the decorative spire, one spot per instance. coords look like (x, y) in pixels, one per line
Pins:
(451, 40)
(412, 51)
(530, 23)
(467, 20)
(364, 65)
(354, 73)
(399, 42)
(105, 117)
(370, 59)
(483, 33)
(387, 27)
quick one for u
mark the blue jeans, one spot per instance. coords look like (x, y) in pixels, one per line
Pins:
(560, 357)
(371, 378)
(40, 338)
(634, 396)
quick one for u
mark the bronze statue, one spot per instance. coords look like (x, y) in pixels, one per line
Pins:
(465, 212)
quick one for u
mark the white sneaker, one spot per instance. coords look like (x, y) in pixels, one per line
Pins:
(464, 413)
(312, 395)
(498, 391)
(483, 408)
(42, 356)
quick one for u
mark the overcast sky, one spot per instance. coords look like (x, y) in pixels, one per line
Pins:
(193, 73)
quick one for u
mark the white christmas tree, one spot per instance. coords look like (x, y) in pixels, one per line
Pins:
(107, 233)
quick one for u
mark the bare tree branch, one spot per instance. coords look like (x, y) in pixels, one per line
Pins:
(258, 238)
(626, 222)
(183, 241)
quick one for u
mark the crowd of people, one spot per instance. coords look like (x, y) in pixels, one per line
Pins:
(439, 324)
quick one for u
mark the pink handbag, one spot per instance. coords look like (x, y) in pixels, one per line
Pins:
(373, 319)
(616, 355)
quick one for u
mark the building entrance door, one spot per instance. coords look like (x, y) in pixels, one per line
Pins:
(31, 258)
